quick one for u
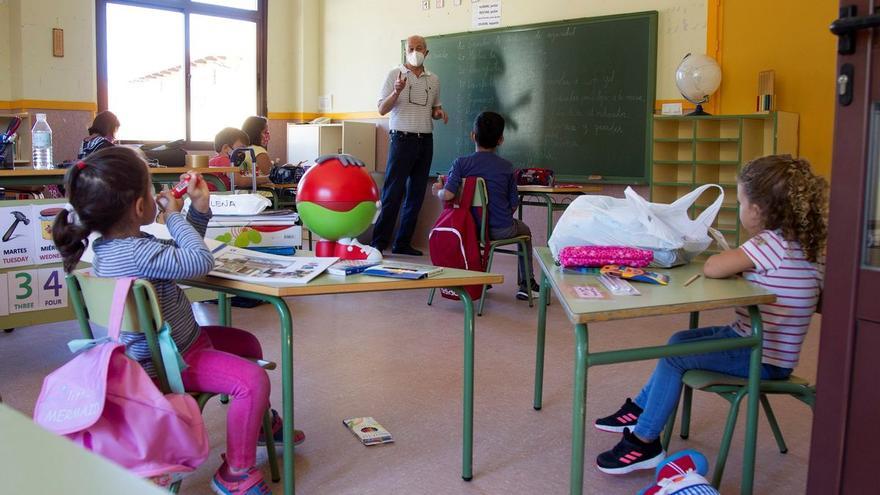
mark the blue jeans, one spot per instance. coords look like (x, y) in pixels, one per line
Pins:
(409, 162)
(660, 395)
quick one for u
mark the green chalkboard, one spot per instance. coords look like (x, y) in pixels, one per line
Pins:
(577, 95)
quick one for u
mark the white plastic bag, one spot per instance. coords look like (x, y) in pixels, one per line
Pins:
(665, 229)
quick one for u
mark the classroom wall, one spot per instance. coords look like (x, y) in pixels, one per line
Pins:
(802, 52)
(360, 40)
(5, 52)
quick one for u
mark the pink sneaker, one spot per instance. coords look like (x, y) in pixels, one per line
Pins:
(249, 483)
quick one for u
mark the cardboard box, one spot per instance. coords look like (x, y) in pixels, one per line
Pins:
(257, 235)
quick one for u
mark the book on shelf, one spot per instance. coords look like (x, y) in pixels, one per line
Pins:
(252, 266)
(368, 430)
(350, 267)
(397, 269)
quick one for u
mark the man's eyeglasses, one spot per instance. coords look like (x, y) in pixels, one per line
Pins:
(418, 97)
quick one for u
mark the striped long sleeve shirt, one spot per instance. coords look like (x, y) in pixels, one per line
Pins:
(161, 262)
(781, 268)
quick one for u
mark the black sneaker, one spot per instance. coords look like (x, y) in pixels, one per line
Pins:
(523, 295)
(631, 454)
(625, 417)
(407, 250)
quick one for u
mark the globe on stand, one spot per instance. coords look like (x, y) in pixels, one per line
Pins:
(697, 77)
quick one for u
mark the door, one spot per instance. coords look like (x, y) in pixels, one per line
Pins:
(846, 425)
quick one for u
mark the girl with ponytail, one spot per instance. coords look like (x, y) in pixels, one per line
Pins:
(782, 208)
(110, 192)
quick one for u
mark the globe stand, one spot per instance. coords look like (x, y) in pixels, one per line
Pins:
(698, 112)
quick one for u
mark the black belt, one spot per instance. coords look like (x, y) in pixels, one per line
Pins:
(410, 134)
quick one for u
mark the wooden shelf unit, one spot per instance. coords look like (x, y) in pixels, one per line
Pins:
(692, 151)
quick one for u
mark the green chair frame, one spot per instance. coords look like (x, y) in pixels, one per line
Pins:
(481, 200)
(734, 389)
(92, 298)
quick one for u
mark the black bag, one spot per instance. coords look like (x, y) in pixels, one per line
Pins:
(287, 173)
(168, 154)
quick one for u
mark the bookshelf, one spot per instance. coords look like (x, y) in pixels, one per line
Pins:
(692, 151)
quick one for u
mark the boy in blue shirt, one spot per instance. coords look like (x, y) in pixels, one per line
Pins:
(488, 134)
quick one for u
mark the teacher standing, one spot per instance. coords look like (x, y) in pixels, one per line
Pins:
(411, 94)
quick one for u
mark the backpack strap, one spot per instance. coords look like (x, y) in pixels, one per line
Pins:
(117, 309)
(467, 193)
(172, 360)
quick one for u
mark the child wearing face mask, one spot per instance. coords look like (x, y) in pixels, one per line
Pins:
(225, 142)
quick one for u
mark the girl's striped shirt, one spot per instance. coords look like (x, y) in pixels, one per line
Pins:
(781, 268)
(161, 262)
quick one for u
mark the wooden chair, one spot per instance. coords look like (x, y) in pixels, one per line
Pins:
(481, 200)
(92, 298)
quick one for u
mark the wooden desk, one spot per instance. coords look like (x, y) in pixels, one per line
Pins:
(36, 461)
(703, 294)
(28, 176)
(326, 284)
(544, 194)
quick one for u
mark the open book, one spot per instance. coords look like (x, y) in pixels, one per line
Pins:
(252, 266)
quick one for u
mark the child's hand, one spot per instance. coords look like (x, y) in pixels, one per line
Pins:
(168, 202)
(436, 187)
(198, 192)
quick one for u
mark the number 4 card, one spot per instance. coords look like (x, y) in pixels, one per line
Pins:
(53, 293)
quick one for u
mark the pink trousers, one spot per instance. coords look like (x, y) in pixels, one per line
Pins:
(217, 364)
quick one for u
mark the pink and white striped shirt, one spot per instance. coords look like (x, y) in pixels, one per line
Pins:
(781, 268)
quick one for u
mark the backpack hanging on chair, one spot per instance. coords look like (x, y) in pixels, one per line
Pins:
(105, 402)
(454, 239)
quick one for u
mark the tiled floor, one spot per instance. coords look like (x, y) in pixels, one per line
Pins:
(391, 356)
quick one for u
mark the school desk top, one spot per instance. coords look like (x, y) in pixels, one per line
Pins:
(36, 461)
(32, 172)
(703, 294)
(573, 189)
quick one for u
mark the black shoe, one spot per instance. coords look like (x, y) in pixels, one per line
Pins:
(408, 250)
(523, 295)
(625, 417)
(631, 454)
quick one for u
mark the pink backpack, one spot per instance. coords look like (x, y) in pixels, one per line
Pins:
(105, 401)
(454, 240)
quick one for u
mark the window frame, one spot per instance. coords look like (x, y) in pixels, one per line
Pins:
(187, 8)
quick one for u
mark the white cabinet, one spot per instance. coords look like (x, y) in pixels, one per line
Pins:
(309, 141)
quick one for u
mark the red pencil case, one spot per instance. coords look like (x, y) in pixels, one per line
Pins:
(598, 256)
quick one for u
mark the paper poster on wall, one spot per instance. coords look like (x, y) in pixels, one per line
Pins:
(4, 302)
(22, 291)
(486, 15)
(44, 215)
(17, 228)
(51, 288)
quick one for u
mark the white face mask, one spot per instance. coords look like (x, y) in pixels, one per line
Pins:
(415, 58)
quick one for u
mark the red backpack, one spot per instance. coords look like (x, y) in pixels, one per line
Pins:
(454, 239)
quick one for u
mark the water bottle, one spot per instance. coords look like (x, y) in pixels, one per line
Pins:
(41, 140)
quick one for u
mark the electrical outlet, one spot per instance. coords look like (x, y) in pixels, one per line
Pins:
(426, 4)
(439, 4)
(456, 2)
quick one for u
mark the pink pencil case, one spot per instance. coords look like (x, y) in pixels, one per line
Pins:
(573, 256)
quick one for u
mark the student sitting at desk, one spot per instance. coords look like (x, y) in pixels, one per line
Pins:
(225, 142)
(488, 134)
(782, 208)
(110, 192)
(257, 130)
(102, 134)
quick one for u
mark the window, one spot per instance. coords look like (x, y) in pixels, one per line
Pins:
(181, 69)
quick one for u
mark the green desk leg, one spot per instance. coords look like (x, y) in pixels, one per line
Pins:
(286, 387)
(223, 309)
(539, 348)
(578, 412)
(467, 445)
(748, 476)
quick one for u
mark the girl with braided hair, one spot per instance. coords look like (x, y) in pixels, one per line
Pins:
(783, 210)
